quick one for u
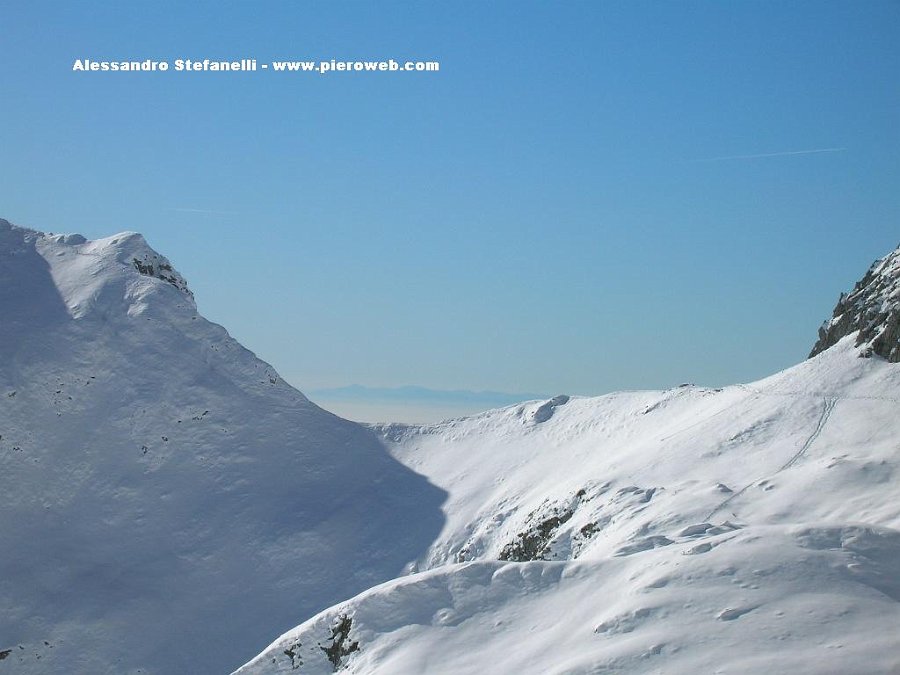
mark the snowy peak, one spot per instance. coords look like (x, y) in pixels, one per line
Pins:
(118, 273)
(131, 250)
(120, 270)
(871, 310)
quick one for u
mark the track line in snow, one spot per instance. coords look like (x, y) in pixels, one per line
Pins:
(705, 419)
(823, 418)
(728, 500)
(810, 394)
(827, 408)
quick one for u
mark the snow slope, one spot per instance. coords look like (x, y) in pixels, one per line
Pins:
(754, 528)
(168, 502)
(769, 599)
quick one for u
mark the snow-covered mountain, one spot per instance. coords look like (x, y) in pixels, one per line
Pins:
(753, 528)
(168, 502)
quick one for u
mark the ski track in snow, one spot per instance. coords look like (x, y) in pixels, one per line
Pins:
(827, 408)
(809, 394)
(705, 420)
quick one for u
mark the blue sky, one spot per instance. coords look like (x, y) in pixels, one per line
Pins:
(567, 206)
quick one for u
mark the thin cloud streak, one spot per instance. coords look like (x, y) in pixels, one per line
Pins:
(211, 212)
(770, 154)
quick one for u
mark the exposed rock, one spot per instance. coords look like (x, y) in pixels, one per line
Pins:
(160, 268)
(293, 653)
(871, 310)
(341, 645)
(534, 543)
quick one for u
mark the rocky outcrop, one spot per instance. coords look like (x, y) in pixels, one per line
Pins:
(871, 310)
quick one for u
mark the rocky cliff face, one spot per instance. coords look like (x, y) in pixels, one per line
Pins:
(871, 310)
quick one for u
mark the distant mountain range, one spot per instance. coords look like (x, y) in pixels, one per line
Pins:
(416, 394)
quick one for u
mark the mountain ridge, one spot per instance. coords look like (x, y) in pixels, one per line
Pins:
(739, 529)
(163, 486)
(417, 393)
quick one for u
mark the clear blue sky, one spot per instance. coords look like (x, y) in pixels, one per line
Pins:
(534, 217)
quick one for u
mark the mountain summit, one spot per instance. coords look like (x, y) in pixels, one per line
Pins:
(871, 310)
(168, 501)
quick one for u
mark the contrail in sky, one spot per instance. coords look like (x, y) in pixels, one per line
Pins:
(206, 211)
(771, 154)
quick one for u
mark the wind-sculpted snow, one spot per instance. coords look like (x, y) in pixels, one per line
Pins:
(753, 528)
(168, 502)
(774, 599)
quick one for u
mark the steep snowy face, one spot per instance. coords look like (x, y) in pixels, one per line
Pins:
(167, 501)
(871, 311)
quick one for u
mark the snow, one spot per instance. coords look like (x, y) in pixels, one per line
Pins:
(769, 599)
(169, 503)
(733, 530)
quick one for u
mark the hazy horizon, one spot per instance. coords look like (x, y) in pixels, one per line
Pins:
(410, 404)
(382, 412)
(586, 197)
